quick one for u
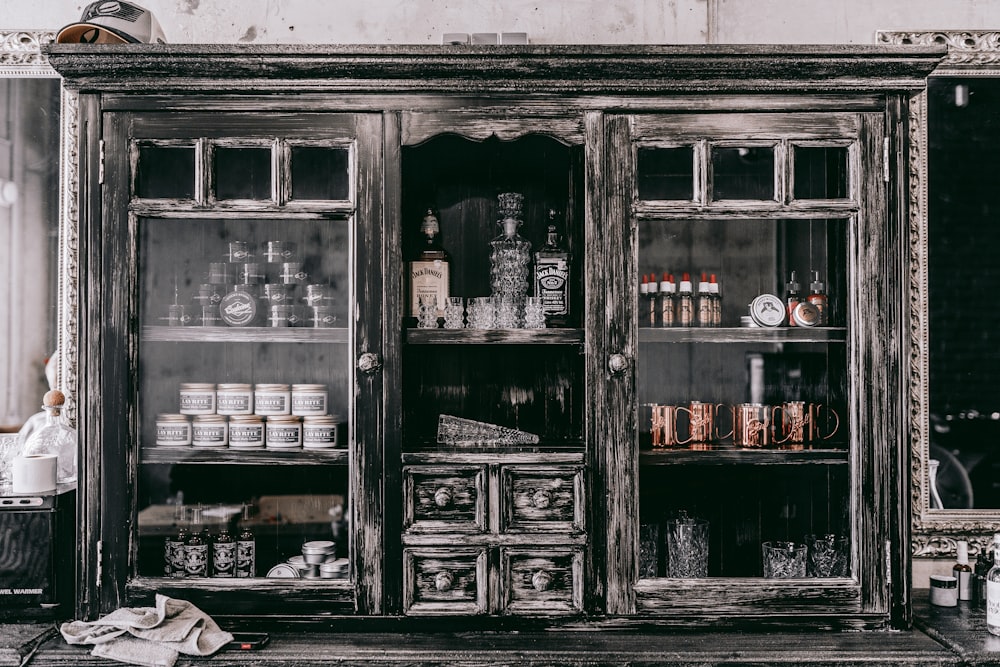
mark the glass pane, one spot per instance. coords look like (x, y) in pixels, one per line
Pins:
(165, 173)
(743, 173)
(244, 388)
(320, 173)
(666, 173)
(820, 172)
(730, 391)
(242, 173)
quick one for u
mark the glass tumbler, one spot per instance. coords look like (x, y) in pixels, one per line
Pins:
(826, 556)
(454, 311)
(687, 547)
(427, 316)
(784, 560)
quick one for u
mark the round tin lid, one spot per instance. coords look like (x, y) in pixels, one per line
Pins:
(283, 571)
(318, 547)
(747, 321)
(767, 310)
(806, 315)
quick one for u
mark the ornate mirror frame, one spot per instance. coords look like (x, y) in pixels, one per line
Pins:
(935, 531)
(21, 56)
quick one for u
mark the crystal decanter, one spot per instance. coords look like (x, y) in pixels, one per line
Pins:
(55, 438)
(510, 254)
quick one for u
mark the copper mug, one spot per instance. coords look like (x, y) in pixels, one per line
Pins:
(752, 425)
(664, 427)
(800, 422)
(701, 422)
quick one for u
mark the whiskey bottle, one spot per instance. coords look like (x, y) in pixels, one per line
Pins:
(246, 548)
(196, 547)
(429, 268)
(552, 277)
(173, 547)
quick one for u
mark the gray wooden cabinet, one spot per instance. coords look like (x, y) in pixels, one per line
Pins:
(740, 163)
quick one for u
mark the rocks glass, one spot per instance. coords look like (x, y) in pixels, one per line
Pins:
(534, 313)
(454, 313)
(687, 547)
(784, 560)
(826, 556)
(427, 316)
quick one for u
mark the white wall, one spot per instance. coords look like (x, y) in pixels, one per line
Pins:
(545, 21)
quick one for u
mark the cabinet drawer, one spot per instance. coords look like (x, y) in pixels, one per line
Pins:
(542, 499)
(444, 581)
(542, 581)
(445, 499)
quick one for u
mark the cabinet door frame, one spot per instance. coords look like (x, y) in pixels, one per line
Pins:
(110, 331)
(874, 342)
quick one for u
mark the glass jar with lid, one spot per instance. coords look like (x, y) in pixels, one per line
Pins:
(234, 399)
(283, 432)
(319, 432)
(209, 431)
(197, 398)
(272, 399)
(172, 430)
(246, 432)
(309, 399)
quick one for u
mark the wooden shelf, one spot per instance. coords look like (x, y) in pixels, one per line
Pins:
(743, 335)
(482, 336)
(198, 334)
(243, 457)
(729, 455)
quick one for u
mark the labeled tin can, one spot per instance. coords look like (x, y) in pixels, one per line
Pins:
(278, 294)
(319, 295)
(240, 251)
(234, 399)
(321, 317)
(276, 252)
(767, 310)
(218, 273)
(292, 273)
(806, 314)
(285, 315)
(208, 295)
(178, 315)
(239, 309)
(197, 398)
(172, 430)
(209, 431)
(319, 432)
(272, 399)
(210, 316)
(246, 432)
(309, 399)
(251, 273)
(283, 432)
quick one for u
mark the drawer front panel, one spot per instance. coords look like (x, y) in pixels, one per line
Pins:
(542, 499)
(542, 582)
(444, 581)
(445, 499)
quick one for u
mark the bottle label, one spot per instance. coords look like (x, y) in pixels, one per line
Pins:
(428, 279)
(177, 557)
(552, 284)
(196, 560)
(992, 603)
(246, 558)
(169, 549)
(224, 559)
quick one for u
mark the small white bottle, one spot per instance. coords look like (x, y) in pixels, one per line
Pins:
(962, 571)
(993, 590)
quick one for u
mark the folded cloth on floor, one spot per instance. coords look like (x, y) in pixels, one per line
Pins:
(150, 636)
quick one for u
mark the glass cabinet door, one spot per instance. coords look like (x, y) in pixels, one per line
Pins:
(746, 439)
(244, 292)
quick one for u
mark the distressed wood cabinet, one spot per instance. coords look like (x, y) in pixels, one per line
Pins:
(742, 164)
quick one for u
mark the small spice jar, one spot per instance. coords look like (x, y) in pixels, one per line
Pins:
(246, 432)
(283, 432)
(319, 432)
(172, 430)
(272, 399)
(197, 398)
(209, 431)
(944, 590)
(309, 399)
(234, 399)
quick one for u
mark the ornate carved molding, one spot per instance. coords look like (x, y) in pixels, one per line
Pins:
(21, 53)
(935, 532)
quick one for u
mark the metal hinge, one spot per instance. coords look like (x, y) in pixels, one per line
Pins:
(885, 159)
(100, 163)
(100, 562)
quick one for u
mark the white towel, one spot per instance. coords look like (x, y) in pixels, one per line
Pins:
(151, 637)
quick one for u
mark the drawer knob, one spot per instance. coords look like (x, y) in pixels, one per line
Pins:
(541, 580)
(541, 499)
(617, 364)
(442, 497)
(369, 363)
(443, 581)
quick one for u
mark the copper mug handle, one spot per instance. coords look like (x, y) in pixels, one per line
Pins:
(732, 421)
(836, 423)
(774, 425)
(677, 436)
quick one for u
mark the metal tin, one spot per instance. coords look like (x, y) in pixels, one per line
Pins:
(239, 309)
(747, 321)
(319, 432)
(278, 251)
(210, 431)
(318, 551)
(234, 399)
(246, 432)
(283, 432)
(272, 399)
(218, 273)
(806, 314)
(767, 310)
(309, 399)
(278, 293)
(292, 273)
(240, 251)
(319, 295)
(210, 316)
(197, 398)
(285, 315)
(283, 571)
(208, 295)
(337, 569)
(251, 273)
(178, 315)
(172, 430)
(321, 317)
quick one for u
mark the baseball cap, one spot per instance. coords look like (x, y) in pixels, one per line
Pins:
(113, 22)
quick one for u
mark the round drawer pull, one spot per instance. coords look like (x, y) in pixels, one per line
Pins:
(442, 497)
(541, 580)
(443, 581)
(541, 498)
